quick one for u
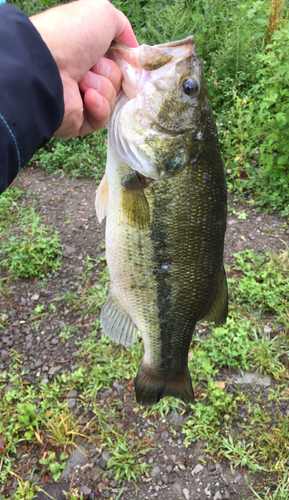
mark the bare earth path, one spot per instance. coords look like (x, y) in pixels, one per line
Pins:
(177, 471)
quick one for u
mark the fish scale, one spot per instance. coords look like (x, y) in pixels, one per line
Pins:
(164, 231)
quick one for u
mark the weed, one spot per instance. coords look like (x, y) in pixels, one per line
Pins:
(240, 453)
(79, 157)
(61, 427)
(25, 491)
(35, 254)
(8, 206)
(67, 333)
(53, 465)
(123, 461)
(279, 491)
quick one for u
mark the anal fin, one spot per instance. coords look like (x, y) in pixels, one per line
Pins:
(219, 309)
(116, 323)
(150, 387)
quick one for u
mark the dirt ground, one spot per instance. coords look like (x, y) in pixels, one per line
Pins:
(177, 472)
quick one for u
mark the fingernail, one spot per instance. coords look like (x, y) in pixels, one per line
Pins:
(98, 100)
(104, 67)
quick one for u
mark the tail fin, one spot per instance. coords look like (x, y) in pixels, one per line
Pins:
(150, 387)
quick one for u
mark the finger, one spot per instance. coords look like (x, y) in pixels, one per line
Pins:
(127, 37)
(109, 69)
(101, 85)
(97, 112)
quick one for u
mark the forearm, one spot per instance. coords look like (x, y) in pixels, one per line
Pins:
(31, 93)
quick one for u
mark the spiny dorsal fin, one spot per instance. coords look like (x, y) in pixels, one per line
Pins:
(101, 199)
(116, 323)
(219, 309)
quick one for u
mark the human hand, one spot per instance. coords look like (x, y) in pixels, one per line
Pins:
(78, 35)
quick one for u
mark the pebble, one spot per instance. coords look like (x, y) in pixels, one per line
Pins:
(176, 489)
(186, 493)
(169, 468)
(224, 480)
(164, 436)
(77, 458)
(155, 472)
(175, 418)
(68, 251)
(218, 496)
(94, 473)
(117, 385)
(197, 469)
(72, 394)
(267, 329)
(53, 370)
(85, 490)
(103, 460)
(253, 378)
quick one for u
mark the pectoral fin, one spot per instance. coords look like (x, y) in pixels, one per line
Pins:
(133, 202)
(116, 323)
(219, 309)
(101, 199)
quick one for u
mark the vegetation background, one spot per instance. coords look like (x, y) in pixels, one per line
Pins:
(243, 47)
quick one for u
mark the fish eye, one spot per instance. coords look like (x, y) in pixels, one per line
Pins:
(190, 87)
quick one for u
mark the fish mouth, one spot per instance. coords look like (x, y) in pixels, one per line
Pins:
(153, 57)
(157, 62)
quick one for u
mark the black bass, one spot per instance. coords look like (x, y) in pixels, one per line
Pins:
(164, 196)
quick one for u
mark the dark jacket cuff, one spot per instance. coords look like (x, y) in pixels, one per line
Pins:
(31, 93)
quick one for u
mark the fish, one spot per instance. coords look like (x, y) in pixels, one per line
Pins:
(165, 202)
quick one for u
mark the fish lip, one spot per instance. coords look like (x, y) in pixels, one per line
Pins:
(122, 54)
(189, 39)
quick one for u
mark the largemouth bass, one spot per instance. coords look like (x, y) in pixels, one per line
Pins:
(164, 196)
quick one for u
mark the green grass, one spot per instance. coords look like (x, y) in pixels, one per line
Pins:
(36, 250)
(261, 441)
(35, 254)
(78, 157)
(9, 207)
(277, 491)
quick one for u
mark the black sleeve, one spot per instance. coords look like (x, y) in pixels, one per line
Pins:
(31, 93)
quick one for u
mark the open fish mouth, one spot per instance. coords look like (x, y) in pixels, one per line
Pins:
(155, 63)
